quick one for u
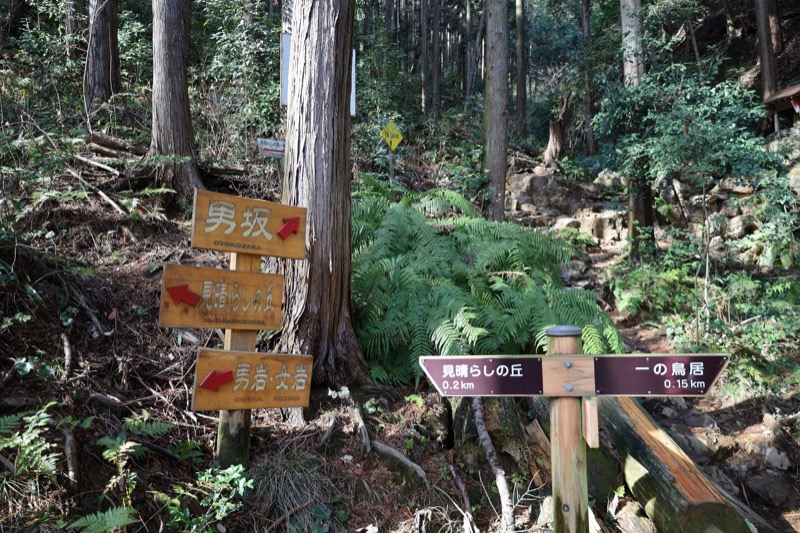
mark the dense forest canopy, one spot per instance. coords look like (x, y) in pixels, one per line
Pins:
(545, 142)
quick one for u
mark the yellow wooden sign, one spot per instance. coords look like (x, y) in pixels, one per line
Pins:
(194, 297)
(245, 380)
(391, 135)
(235, 224)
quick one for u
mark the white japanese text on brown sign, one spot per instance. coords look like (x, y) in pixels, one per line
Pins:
(214, 298)
(234, 224)
(244, 380)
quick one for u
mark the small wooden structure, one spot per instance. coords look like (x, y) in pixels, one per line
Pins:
(779, 104)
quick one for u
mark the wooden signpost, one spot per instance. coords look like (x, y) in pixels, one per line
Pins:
(572, 381)
(243, 300)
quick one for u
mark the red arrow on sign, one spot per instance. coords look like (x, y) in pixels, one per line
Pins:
(181, 293)
(291, 225)
(215, 379)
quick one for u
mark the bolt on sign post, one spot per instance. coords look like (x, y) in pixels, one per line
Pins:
(572, 381)
(243, 300)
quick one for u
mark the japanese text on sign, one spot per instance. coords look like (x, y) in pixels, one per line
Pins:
(245, 225)
(246, 379)
(217, 296)
(480, 375)
(227, 379)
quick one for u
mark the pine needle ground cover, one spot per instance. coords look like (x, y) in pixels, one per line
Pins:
(432, 277)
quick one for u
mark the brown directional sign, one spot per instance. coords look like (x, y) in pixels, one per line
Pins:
(235, 224)
(574, 375)
(484, 375)
(244, 380)
(657, 374)
(196, 297)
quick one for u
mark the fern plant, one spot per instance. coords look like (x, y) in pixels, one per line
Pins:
(32, 462)
(430, 276)
(108, 522)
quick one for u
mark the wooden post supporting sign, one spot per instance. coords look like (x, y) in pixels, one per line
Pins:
(243, 300)
(233, 431)
(568, 447)
(572, 381)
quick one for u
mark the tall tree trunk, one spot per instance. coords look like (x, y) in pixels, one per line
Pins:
(496, 104)
(436, 77)
(172, 124)
(640, 195)
(588, 97)
(632, 33)
(423, 63)
(74, 24)
(317, 319)
(522, 72)
(765, 51)
(101, 77)
(775, 32)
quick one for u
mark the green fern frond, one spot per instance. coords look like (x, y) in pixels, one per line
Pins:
(9, 423)
(107, 522)
(141, 425)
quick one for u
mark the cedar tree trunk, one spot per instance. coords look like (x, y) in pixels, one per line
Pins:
(101, 78)
(317, 315)
(172, 123)
(496, 104)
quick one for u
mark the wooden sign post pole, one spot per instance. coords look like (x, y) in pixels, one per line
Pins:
(568, 448)
(233, 433)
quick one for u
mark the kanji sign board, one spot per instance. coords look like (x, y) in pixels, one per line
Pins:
(575, 375)
(271, 148)
(245, 380)
(234, 224)
(194, 297)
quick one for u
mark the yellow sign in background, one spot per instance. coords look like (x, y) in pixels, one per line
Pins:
(245, 380)
(194, 297)
(235, 224)
(391, 135)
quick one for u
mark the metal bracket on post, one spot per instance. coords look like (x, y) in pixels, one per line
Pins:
(568, 448)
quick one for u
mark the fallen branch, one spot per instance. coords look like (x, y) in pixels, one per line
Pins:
(117, 144)
(280, 520)
(67, 358)
(71, 453)
(394, 454)
(506, 505)
(96, 164)
(102, 195)
(469, 522)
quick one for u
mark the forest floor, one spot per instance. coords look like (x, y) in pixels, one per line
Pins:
(88, 274)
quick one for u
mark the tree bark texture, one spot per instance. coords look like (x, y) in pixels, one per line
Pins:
(765, 52)
(775, 32)
(172, 123)
(436, 57)
(317, 316)
(74, 25)
(640, 195)
(496, 104)
(423, 62)
(633, 60)
(101, 76)
(555, 141)
(588, 98)
(522, 71)
(675, 493)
